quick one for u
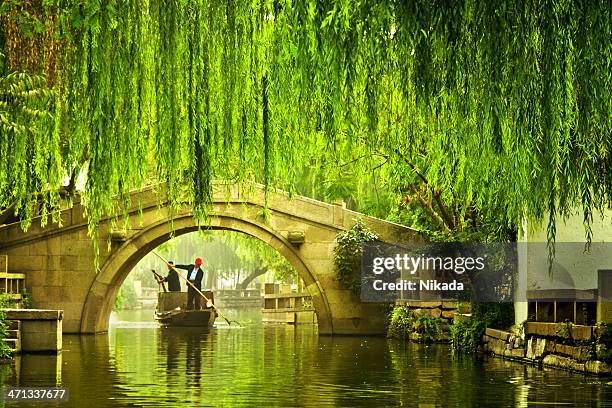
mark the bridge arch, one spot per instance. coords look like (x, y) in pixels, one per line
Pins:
(103, 290)
(57, 259)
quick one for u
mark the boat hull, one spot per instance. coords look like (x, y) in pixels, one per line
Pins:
(187, 318)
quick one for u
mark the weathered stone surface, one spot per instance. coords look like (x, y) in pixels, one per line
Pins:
(71, 325)
(498, 334)
(41, 341)
(575, 332)
(597, 367)
(38, 248)
(496, 346)
(518, 342)
(540, 348)
(530, 350)
(54, 246)
(425, 304)
(514, 353)
(551, 346)
(427, 312)
(449, 305)
(25, 263)
(558, 361)
(323, 250)
(296, 237)
(33, 314)
(448, 314)
(579, 353)
(537, 328)
(581, 332)
(39, 330)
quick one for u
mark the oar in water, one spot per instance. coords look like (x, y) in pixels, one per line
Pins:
(197, 290)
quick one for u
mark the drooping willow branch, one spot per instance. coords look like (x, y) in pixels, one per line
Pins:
(510, 100)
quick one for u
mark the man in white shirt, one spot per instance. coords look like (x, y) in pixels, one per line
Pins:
(195, 273)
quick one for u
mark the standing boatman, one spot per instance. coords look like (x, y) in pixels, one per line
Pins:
(174, 284)
(194, 275)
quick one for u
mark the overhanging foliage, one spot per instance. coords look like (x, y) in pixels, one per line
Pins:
(508, 102)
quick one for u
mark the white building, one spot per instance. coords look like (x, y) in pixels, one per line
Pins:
(578, 286)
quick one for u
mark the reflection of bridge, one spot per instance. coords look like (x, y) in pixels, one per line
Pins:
(58, 262)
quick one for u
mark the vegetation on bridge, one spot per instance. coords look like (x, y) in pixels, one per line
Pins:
(479, 112)
(348, 255)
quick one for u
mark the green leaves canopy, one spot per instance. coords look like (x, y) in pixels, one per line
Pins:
(508, 102)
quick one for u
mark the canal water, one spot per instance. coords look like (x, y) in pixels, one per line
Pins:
(138, 364)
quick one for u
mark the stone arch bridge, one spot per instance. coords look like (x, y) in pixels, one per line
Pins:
(58, 261)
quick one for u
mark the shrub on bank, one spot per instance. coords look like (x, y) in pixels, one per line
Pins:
(430, 329)
(400, 322)
(467, 332)
(405, 324)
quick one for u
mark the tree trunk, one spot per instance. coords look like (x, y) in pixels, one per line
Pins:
(257, 272)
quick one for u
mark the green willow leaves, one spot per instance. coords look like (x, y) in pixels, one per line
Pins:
(27, 127)
(508, 101)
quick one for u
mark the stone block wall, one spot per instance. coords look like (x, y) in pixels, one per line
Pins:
(557, 345)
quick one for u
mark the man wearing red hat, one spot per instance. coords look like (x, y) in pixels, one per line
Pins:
(194, 275)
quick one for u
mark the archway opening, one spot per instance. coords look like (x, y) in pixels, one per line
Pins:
(250, 280)
(103, 291)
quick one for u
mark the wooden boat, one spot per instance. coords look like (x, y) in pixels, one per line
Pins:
(172, 310)
(187, 318)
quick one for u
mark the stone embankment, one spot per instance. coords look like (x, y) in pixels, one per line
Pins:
(558, 345)
(34, 330)
(431, 320)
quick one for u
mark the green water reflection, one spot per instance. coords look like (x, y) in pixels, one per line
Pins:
(138, 364)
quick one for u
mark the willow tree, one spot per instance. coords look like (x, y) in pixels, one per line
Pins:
(504, 103)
